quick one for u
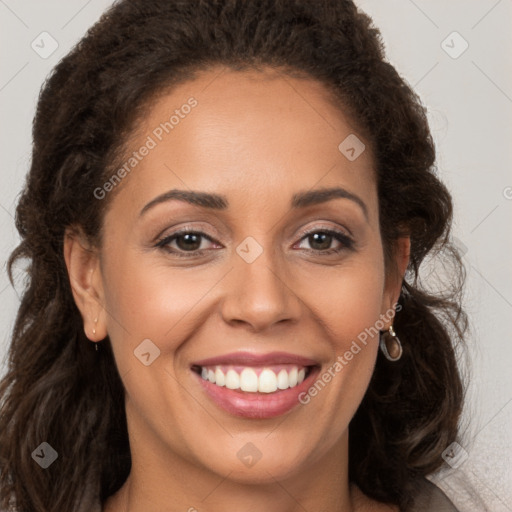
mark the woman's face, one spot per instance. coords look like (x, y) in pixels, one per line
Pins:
(269, 282)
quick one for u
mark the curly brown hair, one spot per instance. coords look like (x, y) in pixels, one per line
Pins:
(58, 389)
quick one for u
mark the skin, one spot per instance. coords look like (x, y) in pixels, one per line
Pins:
(257, 138)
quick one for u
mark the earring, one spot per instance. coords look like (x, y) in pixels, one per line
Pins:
(94, 332)
(390, 345)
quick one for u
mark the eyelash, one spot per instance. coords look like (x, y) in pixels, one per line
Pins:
(346, 241)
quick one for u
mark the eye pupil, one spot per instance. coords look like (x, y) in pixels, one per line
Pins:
(323, 239)
(192, 241)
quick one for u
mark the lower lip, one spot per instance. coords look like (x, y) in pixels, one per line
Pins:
(257, 405)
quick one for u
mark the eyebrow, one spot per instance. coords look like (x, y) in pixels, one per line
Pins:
(204, 199)
(312, 197)
(219, 202)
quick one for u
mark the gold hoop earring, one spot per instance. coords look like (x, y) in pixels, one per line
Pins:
(390, 345)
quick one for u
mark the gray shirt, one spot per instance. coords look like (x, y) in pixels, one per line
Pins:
(431, 499)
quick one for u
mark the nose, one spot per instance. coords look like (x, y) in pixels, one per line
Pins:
(260, 294)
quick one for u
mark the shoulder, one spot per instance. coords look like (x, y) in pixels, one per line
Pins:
(429, 497)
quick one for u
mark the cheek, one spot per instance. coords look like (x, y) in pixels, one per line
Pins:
(154, 301)
(345, 299)
(347, 304)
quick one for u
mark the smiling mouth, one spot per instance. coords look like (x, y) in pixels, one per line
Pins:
(255, 379)
(256, 386)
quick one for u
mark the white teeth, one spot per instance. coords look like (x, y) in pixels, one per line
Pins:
(219, 377)
(232, 380)
(282, 379)
(267, 382)
(249, 381)
(292, 377)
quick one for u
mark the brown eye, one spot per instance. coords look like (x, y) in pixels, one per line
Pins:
(188, 241)
(321, 241)
(183, 242)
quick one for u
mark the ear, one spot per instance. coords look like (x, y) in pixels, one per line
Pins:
(84, 272)
(395, 275)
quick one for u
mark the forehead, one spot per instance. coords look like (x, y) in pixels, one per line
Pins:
(251, 133)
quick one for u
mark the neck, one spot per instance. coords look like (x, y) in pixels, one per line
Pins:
(164, 480)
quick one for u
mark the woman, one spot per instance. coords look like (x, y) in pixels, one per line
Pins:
(231, 200)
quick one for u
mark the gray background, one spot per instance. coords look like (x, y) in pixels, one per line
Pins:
(470, 103)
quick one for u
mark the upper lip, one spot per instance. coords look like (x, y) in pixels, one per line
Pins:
(252, 359)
